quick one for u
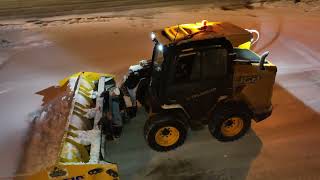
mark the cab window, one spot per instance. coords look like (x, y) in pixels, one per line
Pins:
(187, 67)
(214, 63)
(205, 64)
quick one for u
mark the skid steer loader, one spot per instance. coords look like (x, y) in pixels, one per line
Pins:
(202, 73)
(199, 74)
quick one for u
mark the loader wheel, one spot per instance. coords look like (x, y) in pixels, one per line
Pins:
(165, 133)
(228, 125)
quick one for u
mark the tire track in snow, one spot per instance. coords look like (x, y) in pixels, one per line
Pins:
(274, 38)
(5, 91)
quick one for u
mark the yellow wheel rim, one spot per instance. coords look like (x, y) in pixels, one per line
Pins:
(167, 136)
(232, 126)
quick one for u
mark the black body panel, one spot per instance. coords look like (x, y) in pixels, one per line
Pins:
(199, 93)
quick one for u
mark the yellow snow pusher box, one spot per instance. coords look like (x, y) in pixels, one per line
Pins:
(82, 151)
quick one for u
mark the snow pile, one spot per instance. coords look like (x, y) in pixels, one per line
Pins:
(44, 139)
(4, 58)
(4, 43)
(86, 137)
(31, 42)
(12, 44)
(307, 5)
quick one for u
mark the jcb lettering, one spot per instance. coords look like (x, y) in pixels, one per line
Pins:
(249, 79)
(75, 178)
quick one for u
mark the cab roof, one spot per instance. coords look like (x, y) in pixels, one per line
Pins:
(204, 30)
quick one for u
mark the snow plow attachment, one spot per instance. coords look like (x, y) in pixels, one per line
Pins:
(82, 152)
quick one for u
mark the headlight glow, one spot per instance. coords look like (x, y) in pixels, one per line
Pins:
(153, 36)
(160, 47)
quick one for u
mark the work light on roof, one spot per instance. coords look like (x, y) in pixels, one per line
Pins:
(153, 36)
(204, 23)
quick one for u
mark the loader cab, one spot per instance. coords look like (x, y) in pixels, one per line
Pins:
(192, 74)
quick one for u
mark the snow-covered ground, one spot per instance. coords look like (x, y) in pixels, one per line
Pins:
(35, 55)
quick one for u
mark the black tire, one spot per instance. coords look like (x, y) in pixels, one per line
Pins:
(223, 117)
(164, 122)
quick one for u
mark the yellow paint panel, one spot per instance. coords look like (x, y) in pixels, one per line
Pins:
(179, 32)
(65, 80)
(107, 171)
(89, 76)
(246, 45)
